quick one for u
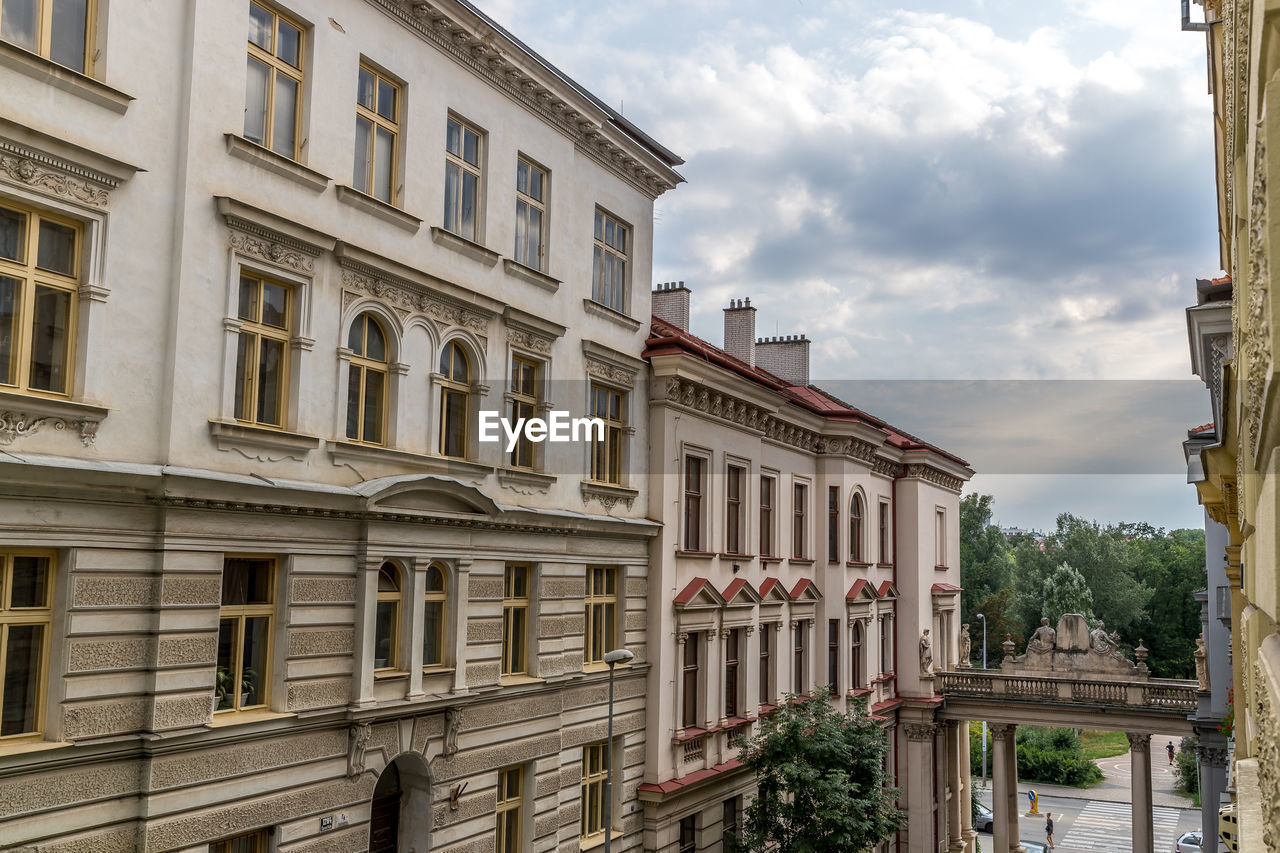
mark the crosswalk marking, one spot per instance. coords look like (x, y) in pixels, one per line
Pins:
(1108, 827)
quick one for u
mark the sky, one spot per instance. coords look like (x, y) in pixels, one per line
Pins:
(1011, 200)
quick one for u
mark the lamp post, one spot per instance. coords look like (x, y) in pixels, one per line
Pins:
(984, 722)
(612, 658)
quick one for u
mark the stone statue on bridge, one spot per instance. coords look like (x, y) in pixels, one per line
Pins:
(1072, 651)
(1102, 642)
(1044, 639)
(926, 653)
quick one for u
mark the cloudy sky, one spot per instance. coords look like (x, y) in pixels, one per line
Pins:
(941, 190)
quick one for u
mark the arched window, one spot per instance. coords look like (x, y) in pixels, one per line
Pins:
(433, 613)
(367, 381)
(856, 654)
(856, 514)
(387, 618)
(455, 392)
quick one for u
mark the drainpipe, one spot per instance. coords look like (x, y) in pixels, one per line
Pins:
(1188, 25)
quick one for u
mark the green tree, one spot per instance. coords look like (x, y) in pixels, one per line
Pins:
(1065, 591)
(986, 566)
(821, 783)
(1172, 565)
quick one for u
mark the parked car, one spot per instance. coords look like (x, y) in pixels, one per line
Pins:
(983, 818)
(1188, 842)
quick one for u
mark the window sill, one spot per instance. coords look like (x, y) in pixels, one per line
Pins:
(60, 77)
(524, 481)
(593, 841)
(608, 494)
(233, 435)
(463, 246)
(941, 568)
(236, 718)
(389, 674)
(529, 274)
(799, 561)
(25, 414)
(884, 565)
(695, 555)
(730, 556)
(349, 451)
(259, 155)
(626, 322)
(857, 564)
(519, 680)
(377, 207)
(33, 744)
(764, 561)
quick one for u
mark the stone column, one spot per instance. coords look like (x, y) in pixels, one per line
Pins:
(968, 836)
(713, 686)
(1140, 762)
(956, 805)
(749, 659)
(1011, 786)
(366, 602)
(1212, 753)
(922, 787)
(458, 604)
(999, 788)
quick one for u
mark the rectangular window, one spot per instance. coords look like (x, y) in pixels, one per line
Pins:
(886, 640)
(734, 479)
(885, 555)
(515, 620)
(601, 613)
(833, 656)
(272, 100)
(833, 524)
(729, 824)
(39, 281)
(26, 622)
(766, 663)
(594, 773)
(799, 522)
(606, 455)
(855, 656)
(262, 350)
(801, 681)
(689, 834)
(693, 488)
(609, 268)
(59, 30)
(531, 215)
(377, 135)
(524, 405)
(690, 678)
(258, 841)
(244, 633)
(766, 515)
(940, 537)
(509, 808)
(731, 704)
(462, 173)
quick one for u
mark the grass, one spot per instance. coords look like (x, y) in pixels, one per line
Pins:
(1103, 744)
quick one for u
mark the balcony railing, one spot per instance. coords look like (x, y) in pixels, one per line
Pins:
(1157, 694)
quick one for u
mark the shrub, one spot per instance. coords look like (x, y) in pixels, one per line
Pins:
(1186, 769)
(1054, 756)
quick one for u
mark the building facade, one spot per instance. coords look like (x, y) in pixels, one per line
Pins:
(805, 545)
(263, 586)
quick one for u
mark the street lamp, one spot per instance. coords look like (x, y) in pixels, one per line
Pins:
(612, 658)
(984, 722)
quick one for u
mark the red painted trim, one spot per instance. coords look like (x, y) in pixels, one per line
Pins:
(673, 785)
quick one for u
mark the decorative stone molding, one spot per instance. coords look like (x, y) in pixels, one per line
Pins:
(999, 730)
(54, 176)
(1268, 752)
(404, 294)
(608, 496)
(452, 726)
(58, 415)
(272, 251)
(1138, 740)
(932, 475)
(524, 482)
(1255, 329)
(921, 731)
(358, 741)
(529, 339)
(611, 372)
(1212, 756)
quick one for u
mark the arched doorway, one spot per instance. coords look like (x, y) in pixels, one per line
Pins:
(400, 813)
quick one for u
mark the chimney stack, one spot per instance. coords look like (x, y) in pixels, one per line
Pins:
(671, 303)
(740, 330)
(785, 356)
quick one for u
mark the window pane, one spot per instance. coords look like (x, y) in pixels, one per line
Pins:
(453, 138)
(384, 633)
(522, 177)
(282, 121)
(290, 47)
(386, 100)
(226, 663)
(247, 308)
(599, 233)
(270, 380)
(67, 38)
(21, 679)
(275, 299)
(535, 183)
(432, 622)
(455, 424)
(354, 373)
(383, 160)
(18, 22)
(517, 639)
(535, 238)
(470, 147)
(257, 630)
(364, 148)
(30, 582)
(467, 223)
(10, 305)
(261, 23)
(375, 343)
(459, 372)
(13, 235)
(49, 339)
(435, 579)
(452, 177)
(373, 381)
(57, 249)
(366, 86)
(244, 371)
(246, 580)
(255, 102)
(596, 270)
(522, 217)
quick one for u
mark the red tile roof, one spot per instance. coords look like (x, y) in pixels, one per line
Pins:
(946, 587)
(886, 588)
(858, 586)
(691, 590)
(766, 585)
(800, 587)
(1203, 428)
(735, 586)
(693, 778)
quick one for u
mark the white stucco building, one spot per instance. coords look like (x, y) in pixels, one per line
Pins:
(261, 265)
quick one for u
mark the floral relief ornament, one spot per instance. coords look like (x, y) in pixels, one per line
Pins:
(16, 425)
(28, 172)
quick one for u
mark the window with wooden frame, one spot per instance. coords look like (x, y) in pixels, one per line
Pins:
(857, 513)
(688, 834)
(377, 135)
(799, 521)
(367, 381)
(886, 643)
(463, 170)
(855, 654)
(510, 807)
(800, 677)
(434, 609)
(940, 537)
(515, 620)
(735, 477)
(694, 487)
(732, 692)
(833, 524)
(885, 555)
(273, 93)
(531, 214)
(386, 621)
(595, 772)
(245, 633)
(455, 400)
(601, 614)
(258, 841)
(606, 454)
(766, 664)
(729, 824)
(833, 656)
(690, 679)
(61, 31)
(768, 495)
(609, 267)
(262, 350)
(39, 283)
(524, 405)
(26, 623)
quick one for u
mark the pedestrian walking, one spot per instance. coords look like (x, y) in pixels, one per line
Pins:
(1048, 828)
(1170, 748)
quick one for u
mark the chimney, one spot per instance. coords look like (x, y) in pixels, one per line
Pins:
(785, 356)
(671, 303)
(740, 330)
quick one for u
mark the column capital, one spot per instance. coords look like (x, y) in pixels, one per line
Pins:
(1213, 756)
(1138, 739)
(920, 731)
(998, 730)
(682, 637)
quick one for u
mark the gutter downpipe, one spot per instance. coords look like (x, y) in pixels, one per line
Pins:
(1188, 25)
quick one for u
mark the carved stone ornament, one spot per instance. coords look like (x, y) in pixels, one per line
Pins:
(920, 731)
(357, 741)
(529, 340)
(926, 653)
(1212, 756)
(606, 496)
(1255, 328)
(932, 475)
(414, 299)
(15, 425)
(611, 372)
(271, 251)
(1268, 752)
(54, 177)
(1202, 664)
(452, 725)
(1138, 740)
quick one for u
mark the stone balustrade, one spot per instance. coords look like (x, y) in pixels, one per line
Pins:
(1162, 694)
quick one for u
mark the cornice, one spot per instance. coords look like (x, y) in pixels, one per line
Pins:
(930, 474)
